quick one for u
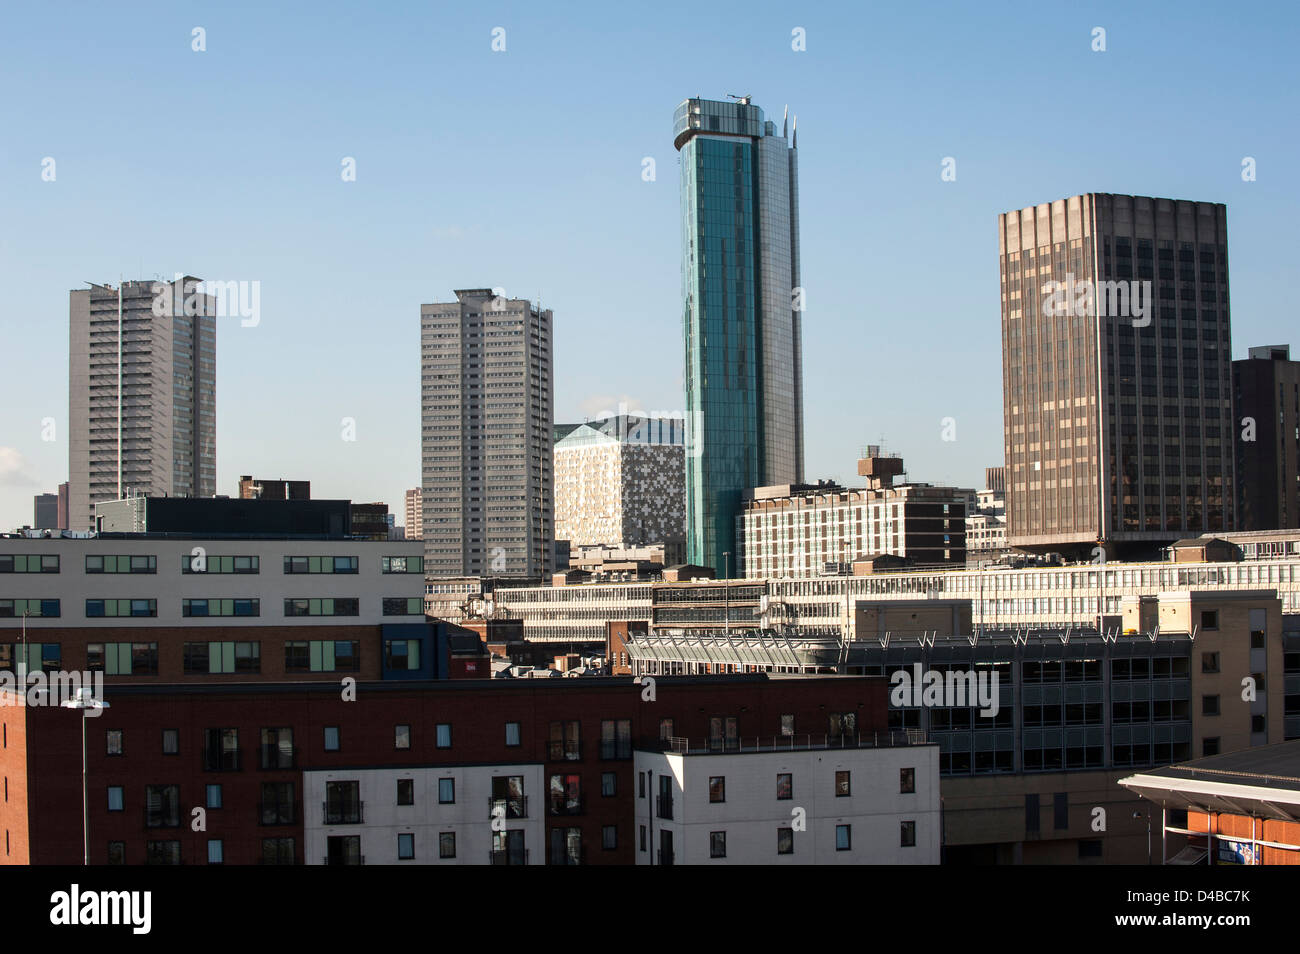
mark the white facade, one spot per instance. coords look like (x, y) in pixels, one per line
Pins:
(871, 824)
(469, 817)
(164, 580)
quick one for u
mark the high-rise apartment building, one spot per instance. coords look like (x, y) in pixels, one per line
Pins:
(486, 436)
(142, 413)
(415, 513)
(1266, 388)
(621, 482)
(740, 314)
(1117, 390)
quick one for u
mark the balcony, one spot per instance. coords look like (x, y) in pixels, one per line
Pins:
(221, 760)
(162, 818)
(785, 743)
(513, 806)
(565, 751)
(273, 757)
(567, 805)
(664, 806)
(616, 748)
(342, 860)
(344, 813)
(277, 813)
(508, 856)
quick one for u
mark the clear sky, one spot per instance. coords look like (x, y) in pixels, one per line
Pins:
(522, 169)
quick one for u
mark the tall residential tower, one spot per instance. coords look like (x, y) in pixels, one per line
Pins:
(1117, 372)
(142, 413)
(740, 315)
(486, 433)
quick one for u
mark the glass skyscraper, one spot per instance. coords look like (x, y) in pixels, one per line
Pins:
(740, 316)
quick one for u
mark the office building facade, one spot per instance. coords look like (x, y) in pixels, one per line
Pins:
(487, 397)
(1266, 389)
(741, 314)
(141, 394)
(1117, 393)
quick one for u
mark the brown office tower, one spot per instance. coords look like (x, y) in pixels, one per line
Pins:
(1116, 371)
(1267, 394)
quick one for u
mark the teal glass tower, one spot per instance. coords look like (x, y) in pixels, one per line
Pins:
(741, 306)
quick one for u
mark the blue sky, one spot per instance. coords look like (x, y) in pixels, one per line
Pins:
(522, 169)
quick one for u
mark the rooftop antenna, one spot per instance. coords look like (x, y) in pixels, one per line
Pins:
(794, 130)
(742, 100)
(785, 123)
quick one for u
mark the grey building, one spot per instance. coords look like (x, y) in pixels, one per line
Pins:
(741, 313)
(1266, 387)
(142, 412)
(45, 512)
(486, 436)
(1117, 388)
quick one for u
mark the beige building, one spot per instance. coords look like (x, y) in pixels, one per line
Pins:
(415, 514)
(142, 412)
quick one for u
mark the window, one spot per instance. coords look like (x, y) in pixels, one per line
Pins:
(190, 563)
(216, 852)
(223, 657)
(1089, 848)
(609, 837)
(643, 837)
(446, 791)
(1061, 811)
(115, 798)
(28, 563)
(402, 655)
(565, 742)
(171, 742)
(447, 844)
(724, 734)
(162, 806)
(784, 786)
(907, 780)
(616, 739)
(843, 837)
(337, 606)
(402, 737)
(406, 791)
(566, 794)
(907, 834)
(221, 607)
(114, 742)
(566, 846)
(608, 784)
(841, 784)
(405, 846)
(141, 607)
(403, 606)
(1210, 745)
(343, 803)
(444, 735)
(277, 748)
(277, 851)
(1209, 662)
(1209, 705)
(512, 733)
(121, 564)
(277, 803)
(117, 852)
(785, 841)
(318, 564)
(717, 844)
(787, 725)
(402, 565)
(717, 788)
(33, 608)
(665, 729)
(213, 796)
(1209, 619)
(331, 738)
(122, 659)
(640, 785)
(221, 750)
(162, 853)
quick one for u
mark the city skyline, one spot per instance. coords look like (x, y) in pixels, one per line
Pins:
(863, 191)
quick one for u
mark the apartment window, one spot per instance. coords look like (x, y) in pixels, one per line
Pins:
(406, 791)
(512, 733)
(343, 804)
(336, 606)
(566, 794)
(277, 851)
(446, 791)
(331, 738)
(320, 564)
(403, 605)
(28, 563)
(117, 852)
(787, 725)
(784, 786)
(221, 750)
(608, 784)
(141, 607)
(640, 785)
(447, 844)
(190, 563)
(222, 607)
(643, 838)
(162, 806)
(297, 657)
(162, 853)
(121, 564)
(609, 837)
(843, 837)
(223, 657)
(1210, 745)
(665, 729)
(402, 737)
(1031, 812)
(1209, 662)
(565, 742)
(122, 659)
(13, 609)
(216, 852)
(717, 844)
(115, 797)
(1209, 705)
(841, 784)
(402, 655)
(405, 846)
(277, 748)
(1209, 619)
(724, 734)
(402, 564)
(1089, 848)
(785, 841)
(444, 735)
(907, 781)
(114, 742)
(616, 739)
(717, 788)
(213, 796)
(907, 834)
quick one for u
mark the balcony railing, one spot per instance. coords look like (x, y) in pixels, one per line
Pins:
(780, 743)
(277, 813)
(511, 806)
(508, 856)
(664, 806)
(565, 751)
(273, 757)
(344, 814)
(616, 748)
(567, 805)
(221, 760)
(356, 860)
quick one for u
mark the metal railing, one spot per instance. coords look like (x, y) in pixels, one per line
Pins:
(508, 856)
(567, 804)
(360, 860)
(273, 757)
(565, 751)
(513, 806)
(344, 814)
(847, 740)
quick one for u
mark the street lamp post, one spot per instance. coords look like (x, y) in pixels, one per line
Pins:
(85, 701)
(726, 592)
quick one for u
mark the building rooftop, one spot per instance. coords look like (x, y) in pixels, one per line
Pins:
(1259, 780)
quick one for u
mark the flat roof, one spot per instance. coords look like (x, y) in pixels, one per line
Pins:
(1262, 780)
